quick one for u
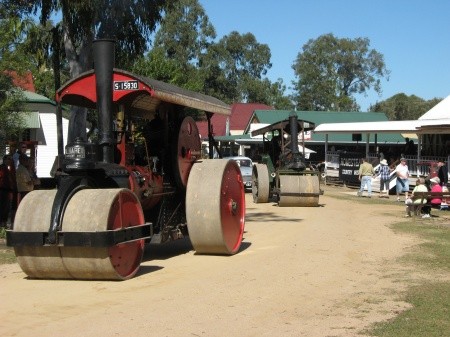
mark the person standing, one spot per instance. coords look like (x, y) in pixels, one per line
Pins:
(32, 169)
(22, 149)
(442, 173)
(402, 185)
(366, 172)
(7, 188)
(385, 174)
(23, 177)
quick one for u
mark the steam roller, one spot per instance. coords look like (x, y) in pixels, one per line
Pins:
(88, 211)
(282, 175)
(142, 181)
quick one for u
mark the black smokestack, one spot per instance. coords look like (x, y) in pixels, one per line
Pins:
(293, 122)
(103, 67)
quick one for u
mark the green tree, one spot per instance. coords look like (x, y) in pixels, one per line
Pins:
(11, 99)
(183, 36)
(330, 71)
(404, 107)
(187, 55)
(232, 66)
(266, 92)
(157, 66)
(11, 111)
(185, 33)
(83, 21)
(39, 48)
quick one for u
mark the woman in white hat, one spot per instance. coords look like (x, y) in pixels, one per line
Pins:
(436, 187)
(385, 174)
(435, 201)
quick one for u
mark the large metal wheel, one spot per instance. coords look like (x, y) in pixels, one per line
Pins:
(215, 207)
(260, 183)
(89, 210)
(299, 190)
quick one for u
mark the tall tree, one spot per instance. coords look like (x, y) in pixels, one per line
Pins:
(230, 69)
(129, 23)
(39, 48)
(11, 98)
(232, 64)
(330, 71)
(185, 33)
(266, 92)
(404, 107)
(11, 110)
(183, 36)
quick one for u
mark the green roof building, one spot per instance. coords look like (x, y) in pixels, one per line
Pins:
(319, 117)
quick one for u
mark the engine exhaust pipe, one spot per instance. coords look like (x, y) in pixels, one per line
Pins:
(103, 51)
(293, 123)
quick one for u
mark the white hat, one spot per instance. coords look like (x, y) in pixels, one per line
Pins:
(435, 180)
(383, 162)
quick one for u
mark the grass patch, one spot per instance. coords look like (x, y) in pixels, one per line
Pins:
(430, 312)
(434, 253)
(6, 253)
(429, 316)
(7, 256)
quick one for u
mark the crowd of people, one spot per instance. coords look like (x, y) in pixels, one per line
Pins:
(17, 178)
(436, 182)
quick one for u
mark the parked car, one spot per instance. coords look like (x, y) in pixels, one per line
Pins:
(246, 166)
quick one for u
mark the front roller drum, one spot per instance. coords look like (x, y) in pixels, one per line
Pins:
(299, 191)
(215, 207)
(89, 210)
(33, 215)
(260, 183)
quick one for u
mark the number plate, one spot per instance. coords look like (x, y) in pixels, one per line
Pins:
(126, 85)
(75, 152)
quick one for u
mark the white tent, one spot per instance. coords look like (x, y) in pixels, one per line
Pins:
(409, 126)
(439, 111)
(434, 120)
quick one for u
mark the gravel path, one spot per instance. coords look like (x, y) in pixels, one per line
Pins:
(323, 271)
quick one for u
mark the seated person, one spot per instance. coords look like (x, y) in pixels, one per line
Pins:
(434, 201)
(444, 202)
(416, 205)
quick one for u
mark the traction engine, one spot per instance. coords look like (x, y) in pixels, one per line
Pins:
(141, 181)
(282, 173)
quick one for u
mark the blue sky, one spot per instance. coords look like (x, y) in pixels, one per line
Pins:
(413, 36)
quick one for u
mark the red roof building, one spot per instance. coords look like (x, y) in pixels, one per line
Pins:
(234, 124)
(23, 81)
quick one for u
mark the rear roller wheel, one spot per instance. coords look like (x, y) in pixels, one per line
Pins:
(290, 185)
(260, 183)
(89, 210)
(215, 207)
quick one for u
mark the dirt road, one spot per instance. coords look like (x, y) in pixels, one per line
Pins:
(326, 271)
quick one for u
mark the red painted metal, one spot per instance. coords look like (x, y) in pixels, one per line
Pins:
(232, 207)
(84, 86)
(126, 212)
(189, 148)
